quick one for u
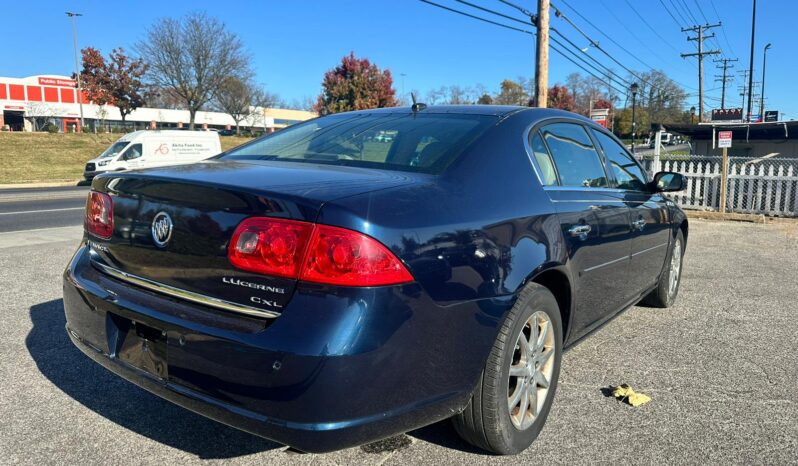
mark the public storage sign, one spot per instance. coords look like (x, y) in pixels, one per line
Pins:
(56, 82)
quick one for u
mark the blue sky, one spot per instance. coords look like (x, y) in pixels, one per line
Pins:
(294, 42)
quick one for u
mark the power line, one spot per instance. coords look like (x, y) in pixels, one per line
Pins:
(706, 21)
(601, 31)
(671, 14)
(727, 63)
(476, 17)
(722, 29)
(678, 12)
(643, 19)
(495, 23)
(700, 54)
(689, 12)
(493, 12)
(518, 7)
(596, 45)
(606, 69)
(603, 71)
(701, 10)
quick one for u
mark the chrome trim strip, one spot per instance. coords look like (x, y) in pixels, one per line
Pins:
(649, 249)
(589, 269)
(594, 201)
(183, 294)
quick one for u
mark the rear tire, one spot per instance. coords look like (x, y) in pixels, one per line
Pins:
(509, 408)
(664, 295)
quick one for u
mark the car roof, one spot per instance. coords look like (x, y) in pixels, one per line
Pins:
(502, 111)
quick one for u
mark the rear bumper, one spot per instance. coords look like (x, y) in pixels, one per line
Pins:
(338, 368)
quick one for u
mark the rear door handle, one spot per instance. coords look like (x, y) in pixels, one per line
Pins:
(580, 231)
(639, 224)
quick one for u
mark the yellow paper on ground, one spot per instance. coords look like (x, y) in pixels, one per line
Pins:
(627, 394)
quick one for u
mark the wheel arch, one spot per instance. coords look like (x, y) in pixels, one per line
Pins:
(684, 227)
(559, 284)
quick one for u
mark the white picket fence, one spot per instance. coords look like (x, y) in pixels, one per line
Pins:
(758, 186)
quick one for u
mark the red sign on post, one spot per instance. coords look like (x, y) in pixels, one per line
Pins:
(724, 139)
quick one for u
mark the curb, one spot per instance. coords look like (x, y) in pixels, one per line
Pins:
(53, 184)
(752, 218)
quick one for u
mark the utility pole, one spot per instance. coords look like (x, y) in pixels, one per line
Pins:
(743, 89)
(724, 79)
(77, 70)
(751, 64)
(542, 55)
(700, 38)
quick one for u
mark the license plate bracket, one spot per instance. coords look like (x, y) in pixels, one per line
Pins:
(143, 347)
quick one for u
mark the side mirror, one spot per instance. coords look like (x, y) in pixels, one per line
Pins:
(665, 182)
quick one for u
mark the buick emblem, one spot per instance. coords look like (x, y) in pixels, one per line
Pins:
(161, 229)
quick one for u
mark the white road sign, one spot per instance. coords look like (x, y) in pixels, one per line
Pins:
(724, 139)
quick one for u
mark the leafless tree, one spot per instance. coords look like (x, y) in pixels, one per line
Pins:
(192, 57)
(40, 114)
(235, 98)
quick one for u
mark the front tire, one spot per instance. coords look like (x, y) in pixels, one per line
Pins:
(664, 295)
(515, 391)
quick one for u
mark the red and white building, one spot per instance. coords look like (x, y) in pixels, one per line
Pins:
(29, 104)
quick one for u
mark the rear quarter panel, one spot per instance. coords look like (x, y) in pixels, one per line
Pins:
(478, 231)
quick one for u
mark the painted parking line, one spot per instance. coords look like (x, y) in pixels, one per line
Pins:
(40, 211)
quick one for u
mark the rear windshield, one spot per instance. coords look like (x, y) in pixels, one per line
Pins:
(421, 142)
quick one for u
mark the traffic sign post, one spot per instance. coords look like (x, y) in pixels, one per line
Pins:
(724, 142)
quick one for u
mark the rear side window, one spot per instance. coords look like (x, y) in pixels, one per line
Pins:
(548, 176)
(627, 172)
(412, 142)
(577, 162)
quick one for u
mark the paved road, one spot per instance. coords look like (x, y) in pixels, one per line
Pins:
(721, 367)
(38, 208)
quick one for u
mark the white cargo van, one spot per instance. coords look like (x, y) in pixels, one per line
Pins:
(156, 148)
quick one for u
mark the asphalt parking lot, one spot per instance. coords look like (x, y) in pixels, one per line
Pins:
(721, 367)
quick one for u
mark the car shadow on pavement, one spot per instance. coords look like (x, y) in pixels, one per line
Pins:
(124, 403)
(443, 434)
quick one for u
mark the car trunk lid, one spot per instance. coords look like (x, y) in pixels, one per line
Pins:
(204, 203)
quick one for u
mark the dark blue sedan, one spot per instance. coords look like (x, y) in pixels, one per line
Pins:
(364, 274)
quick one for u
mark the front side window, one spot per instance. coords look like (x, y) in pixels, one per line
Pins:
(401, 141)
(627, 172)
(577, 161)
(133, 152)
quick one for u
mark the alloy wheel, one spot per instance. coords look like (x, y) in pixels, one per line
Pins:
(676, 266)
(531, 370)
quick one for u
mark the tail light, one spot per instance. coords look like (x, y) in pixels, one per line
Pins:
(99, 215)
(314, 253)
(270, 246)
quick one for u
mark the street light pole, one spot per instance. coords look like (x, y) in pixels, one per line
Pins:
(77, 70)
(751, 65)
(634, 88)
(762, 97)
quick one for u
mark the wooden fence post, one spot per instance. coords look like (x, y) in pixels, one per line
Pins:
(724, 177)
